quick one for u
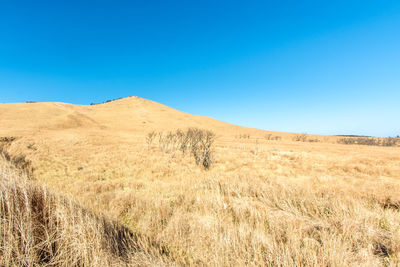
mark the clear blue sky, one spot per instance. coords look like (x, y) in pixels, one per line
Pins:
(324, 67)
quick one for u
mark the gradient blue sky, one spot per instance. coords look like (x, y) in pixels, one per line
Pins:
(324, 67)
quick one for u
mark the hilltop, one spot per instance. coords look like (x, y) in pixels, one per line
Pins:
(133, 114)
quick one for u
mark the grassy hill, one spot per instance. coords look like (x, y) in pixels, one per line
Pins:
(270, 198)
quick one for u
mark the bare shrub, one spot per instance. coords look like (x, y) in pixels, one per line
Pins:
(7, 139)
(272, 137)
(32, 147)
(244, 136)
(255, 149)
(390, 141)
(195, 135)
(197, 141)
(183, 141)
(205, 152)
(347, 141)
(149, 139)
(369, 141)
(300, 138)
(170, 139)
(161, 141)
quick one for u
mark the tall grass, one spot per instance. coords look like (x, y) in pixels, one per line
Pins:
(198, 141)
(294, 204)
(39, 228)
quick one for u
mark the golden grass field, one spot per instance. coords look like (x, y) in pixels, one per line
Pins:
(262, 203)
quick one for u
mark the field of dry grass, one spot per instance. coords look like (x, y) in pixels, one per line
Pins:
(42, 228)
(263, 202)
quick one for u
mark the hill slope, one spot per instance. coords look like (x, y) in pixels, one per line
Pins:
(126, 114)
(264, 202)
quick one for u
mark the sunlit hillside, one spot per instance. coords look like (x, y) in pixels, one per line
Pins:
(268, 199)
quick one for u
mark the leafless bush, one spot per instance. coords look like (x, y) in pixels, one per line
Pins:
(195, 135)
(7, 139)
(347, 141)
(272, 137)
(149, 139)
(161, 141)
(32, 147)
(390, 141)
(198, 142)
(202, 141)
(369, 141)
(174, 139)
(300, 138)
(168, 141)
(255, 149)
(244, 136)
(183, 141)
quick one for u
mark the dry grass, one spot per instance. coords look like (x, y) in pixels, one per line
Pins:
(292, 204)
(40, 228)
(287, 204)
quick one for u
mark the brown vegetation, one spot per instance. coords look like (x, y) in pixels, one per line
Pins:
(264, 202)
(19, 161)
(39, 228)
(198, 141)
(370, 141)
